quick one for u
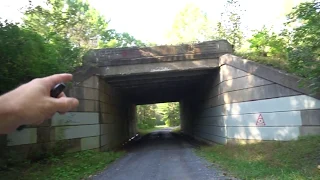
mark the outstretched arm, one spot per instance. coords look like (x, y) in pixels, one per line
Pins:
(31, 103)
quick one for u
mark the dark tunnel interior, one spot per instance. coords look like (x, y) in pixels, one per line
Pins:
(160, 87)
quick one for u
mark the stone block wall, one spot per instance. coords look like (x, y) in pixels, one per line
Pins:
(116, 117)
(73, 131)
(241, 106)
(186, 113)
(101, 121)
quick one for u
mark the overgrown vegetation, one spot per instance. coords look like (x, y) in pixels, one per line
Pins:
(170, 113)
(52, 39)
(10, 158)
(146, 116)
(294, 49)
(67, 166)
(268, 160)
(297, 50)
(149, 116)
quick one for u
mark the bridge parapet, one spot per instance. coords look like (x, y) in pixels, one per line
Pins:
(136, 55)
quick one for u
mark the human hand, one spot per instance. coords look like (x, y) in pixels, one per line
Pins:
(31, 103)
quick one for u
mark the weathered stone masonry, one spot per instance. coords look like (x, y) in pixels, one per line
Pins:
(240, 93)
(221, 99)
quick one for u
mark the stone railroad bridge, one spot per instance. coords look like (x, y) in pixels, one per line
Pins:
(223, 98)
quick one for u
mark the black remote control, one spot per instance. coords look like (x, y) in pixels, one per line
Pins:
(55, 91)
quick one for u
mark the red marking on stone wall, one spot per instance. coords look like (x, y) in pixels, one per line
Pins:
(260, 121)
(124, 53)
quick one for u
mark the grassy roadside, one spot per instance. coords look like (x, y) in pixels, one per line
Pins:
(143, 132)
(177, 129)
(68, 166)
(268, 160)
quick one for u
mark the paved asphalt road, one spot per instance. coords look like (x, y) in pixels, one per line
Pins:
(161, 155)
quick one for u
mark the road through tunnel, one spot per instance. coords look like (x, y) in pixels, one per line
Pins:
(223, 98)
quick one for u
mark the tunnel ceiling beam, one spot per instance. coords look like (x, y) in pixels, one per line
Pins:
(161, 85)
(159, 75)
(156, 81)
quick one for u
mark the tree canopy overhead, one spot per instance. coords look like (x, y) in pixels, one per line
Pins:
(77, 21)
(52, 39)
(190, 25)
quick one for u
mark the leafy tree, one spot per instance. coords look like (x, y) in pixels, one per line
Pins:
(158, 114)
(308, 33)
(77, 21)
(170, 113)
(146, 116)
(111, 38)
(264, 43)
(190, 25)
(72, 19)
(24, 55)
(304, 55)
(229, 27)
(53, 39)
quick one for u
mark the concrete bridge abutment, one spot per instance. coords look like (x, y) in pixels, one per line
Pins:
(223, 99)
(247, 102)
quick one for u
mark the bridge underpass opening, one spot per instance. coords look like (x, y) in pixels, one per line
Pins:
(154, 117)
(223, 99)
(162, 87)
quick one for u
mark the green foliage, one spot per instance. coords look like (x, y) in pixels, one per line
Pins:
(146, 115)
(67, 166)
(25, 55)
(275, 62)
(10, 158)
(265, 44)
(143, 132)
(308, 33)
(304, 56)
(298, 50)
(177, 130)
(111, 39)
(52, 40)
(190, 25)
(72, 19)
(77, 21)
(159, 120)
(268, 160)
(158, 114)
(229, 27)
(170, 113)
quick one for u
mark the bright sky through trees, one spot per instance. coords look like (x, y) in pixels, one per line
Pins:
(150, 20)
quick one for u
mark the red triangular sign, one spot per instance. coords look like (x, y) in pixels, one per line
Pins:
(260, 121)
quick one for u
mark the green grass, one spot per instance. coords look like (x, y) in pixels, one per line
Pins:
(68, 166)
(278, 63)
(177, 129)
(268, 160)
(143, 132)
(161, 126)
